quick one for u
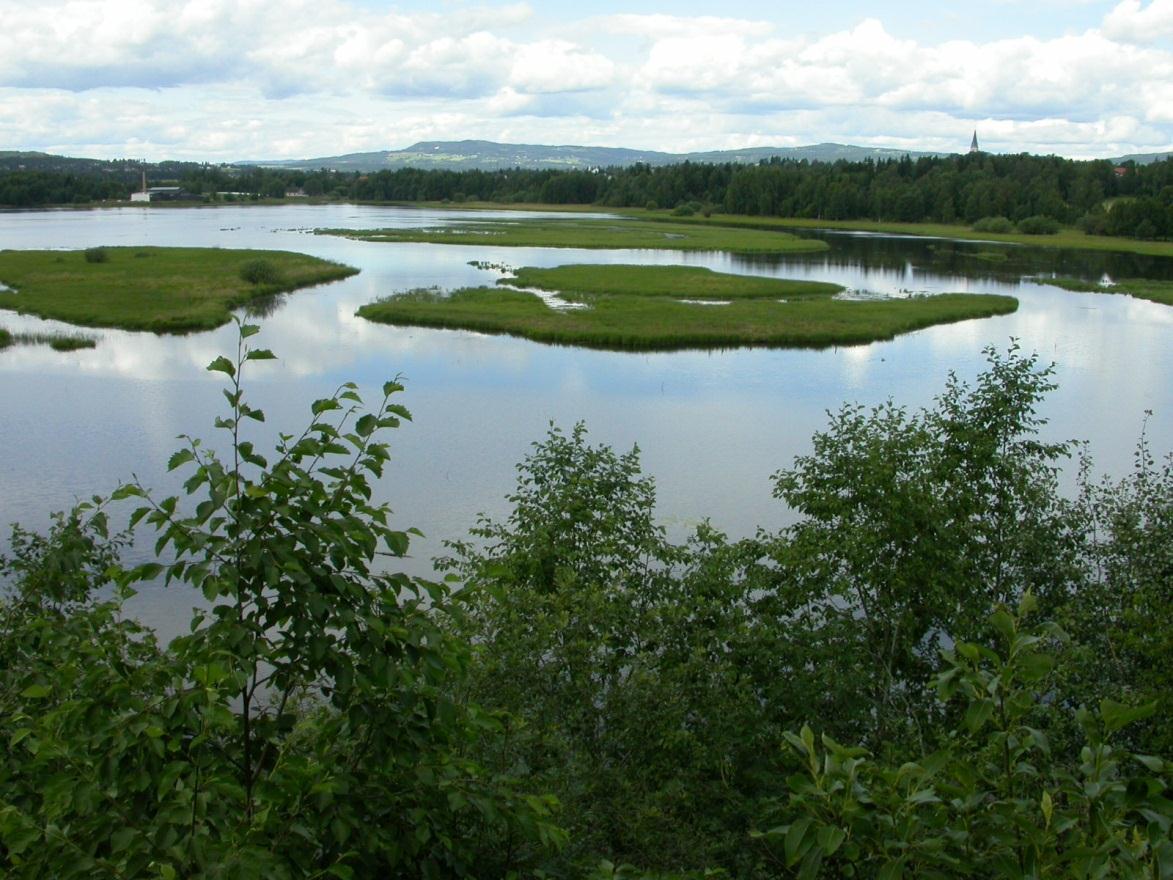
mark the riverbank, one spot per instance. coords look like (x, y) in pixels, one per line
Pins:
(165, 290)
(1065, 238)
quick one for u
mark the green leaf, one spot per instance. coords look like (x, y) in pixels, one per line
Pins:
(247, 330)
(830, 839)
(1117, 715)
(366, 425)
(325, 404)
(180, 458)
(121, 839)
(260, 354)
(36, 692)
(222, 365)
(794, 838)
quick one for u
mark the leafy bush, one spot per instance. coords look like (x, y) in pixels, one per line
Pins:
(995, 800)
(322, 716)
(307, 724)
(994, 224)
(1038, 225)
(96, 255)
(260, 272)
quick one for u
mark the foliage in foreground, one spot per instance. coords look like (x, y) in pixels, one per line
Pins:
(323, 716)
(652, 681)
(304, 727)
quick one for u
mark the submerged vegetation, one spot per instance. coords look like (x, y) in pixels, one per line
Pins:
(593, 233)
(663, 307)
(943, 668)
(56, 341)
(167, 290)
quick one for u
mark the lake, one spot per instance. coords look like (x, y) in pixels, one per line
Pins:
(712, 426)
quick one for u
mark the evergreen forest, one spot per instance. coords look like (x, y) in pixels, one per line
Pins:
(1131, 200)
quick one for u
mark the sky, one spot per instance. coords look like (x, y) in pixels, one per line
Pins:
(227, 80)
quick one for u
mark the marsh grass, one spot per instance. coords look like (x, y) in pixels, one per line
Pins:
(648, 321)
(593, 233)
(1141, 288)
(174, 291)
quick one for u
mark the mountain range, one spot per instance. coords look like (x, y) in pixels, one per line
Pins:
(489, 155)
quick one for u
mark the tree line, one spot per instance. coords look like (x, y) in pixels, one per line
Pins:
(1129, 200)
(944, 668)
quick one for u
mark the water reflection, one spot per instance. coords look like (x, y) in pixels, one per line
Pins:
(712, 425)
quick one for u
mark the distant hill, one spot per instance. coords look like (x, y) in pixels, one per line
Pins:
(489, 155)
(21, 160)
(1144, 158)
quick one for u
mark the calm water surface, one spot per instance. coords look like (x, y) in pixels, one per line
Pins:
(712, 425)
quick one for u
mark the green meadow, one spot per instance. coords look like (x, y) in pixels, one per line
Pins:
(639, 313)
(165, 290)
(594, 234)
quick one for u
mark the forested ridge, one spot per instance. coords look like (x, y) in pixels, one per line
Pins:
(945, 667)
(1131, 200)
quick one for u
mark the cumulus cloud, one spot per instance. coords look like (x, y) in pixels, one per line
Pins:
(250, 78)
(1131, 22)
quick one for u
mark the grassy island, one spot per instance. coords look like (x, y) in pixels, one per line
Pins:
(1141, 288)
(594, 233)
(680, 282)
(165, 290)
(633, 308)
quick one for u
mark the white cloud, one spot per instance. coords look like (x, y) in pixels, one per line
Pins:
(1132, 23)
(246, 78)
(559, 66)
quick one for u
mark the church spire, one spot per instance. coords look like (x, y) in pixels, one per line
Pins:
(973, 147)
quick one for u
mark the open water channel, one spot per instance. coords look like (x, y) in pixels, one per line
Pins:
(712, 425)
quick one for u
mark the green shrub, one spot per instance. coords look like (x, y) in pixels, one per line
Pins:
(97, 255)
(260, 272)
(305, 725)
(994, 224)
(1039, 224)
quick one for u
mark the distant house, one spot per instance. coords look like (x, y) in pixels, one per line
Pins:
(1120, 170)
